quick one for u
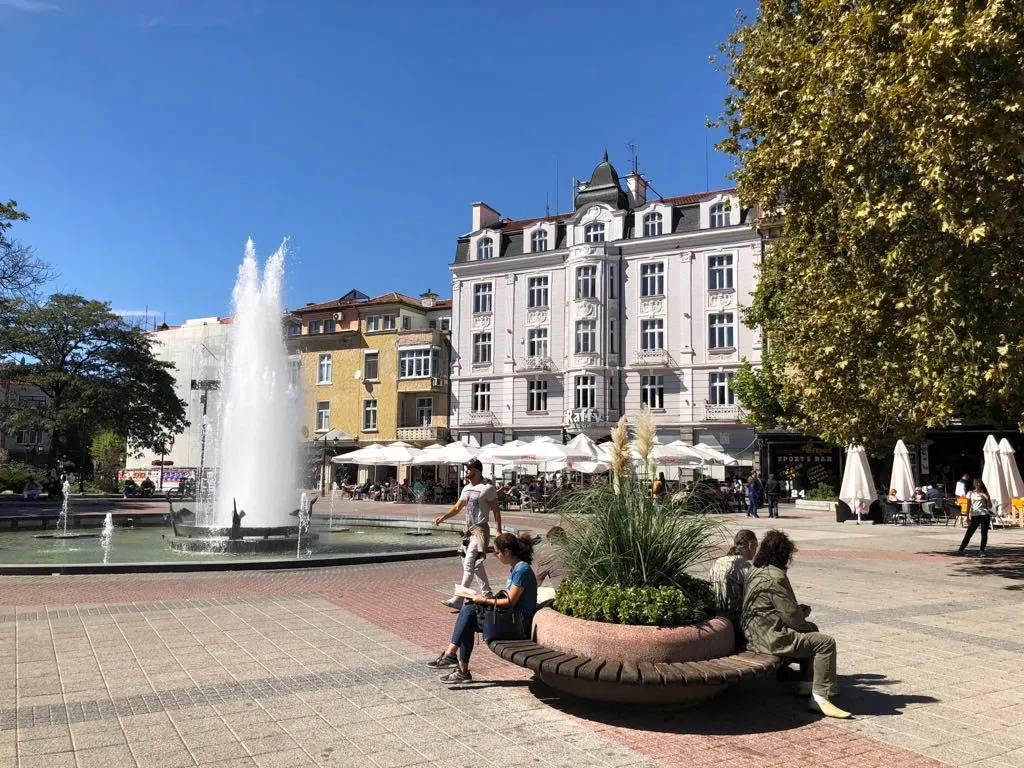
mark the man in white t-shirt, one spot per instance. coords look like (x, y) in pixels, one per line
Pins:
(480, 500)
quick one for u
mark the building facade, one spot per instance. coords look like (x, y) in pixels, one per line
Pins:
(561, 324)
(374, 369)
(30, 445)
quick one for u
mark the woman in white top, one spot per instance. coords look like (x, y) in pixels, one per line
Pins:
(981, 510)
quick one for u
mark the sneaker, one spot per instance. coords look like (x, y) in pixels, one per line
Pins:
(828, 709)
(981, 553)
(457, 676)
(454, 603)
(444, 661)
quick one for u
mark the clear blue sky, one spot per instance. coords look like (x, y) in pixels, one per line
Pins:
(148, 138)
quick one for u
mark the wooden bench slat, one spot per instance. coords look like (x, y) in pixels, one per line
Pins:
(572, 667)
(669, 674)
(590, 670)
(505, 648)
(521, 657)
(551, 666)
(730, 671)
(712, 673)
(534, 662)
(609, 673)
(649, 674)
(688, 672)
(630, 673)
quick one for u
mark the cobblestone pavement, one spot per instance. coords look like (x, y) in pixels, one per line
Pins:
(325, 667)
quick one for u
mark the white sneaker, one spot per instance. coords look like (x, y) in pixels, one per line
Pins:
(453, 602)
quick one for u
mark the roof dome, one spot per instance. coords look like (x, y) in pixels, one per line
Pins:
(603, 188)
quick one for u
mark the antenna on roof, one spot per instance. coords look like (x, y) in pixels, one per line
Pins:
(547, 203)
(707, 171)
(632, 147)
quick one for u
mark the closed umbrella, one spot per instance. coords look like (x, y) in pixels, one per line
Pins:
(858, 488)
(902, 478)
(993, 478)
(1008, 458)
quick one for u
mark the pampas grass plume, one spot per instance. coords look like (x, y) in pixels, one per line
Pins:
(620, 454)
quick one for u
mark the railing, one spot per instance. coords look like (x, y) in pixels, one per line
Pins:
(536, 364)
(722, 412)
(650, 357)
(413, 434)
(476, 418)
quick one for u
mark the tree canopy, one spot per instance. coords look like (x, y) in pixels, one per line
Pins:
(889, 136)
(97, 371)
(21, 271)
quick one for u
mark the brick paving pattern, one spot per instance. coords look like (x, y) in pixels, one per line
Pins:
(324, 667)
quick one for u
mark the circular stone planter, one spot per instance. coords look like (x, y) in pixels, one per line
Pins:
(637, 644)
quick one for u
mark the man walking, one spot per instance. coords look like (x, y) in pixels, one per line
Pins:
(772, 491)
(480, 500)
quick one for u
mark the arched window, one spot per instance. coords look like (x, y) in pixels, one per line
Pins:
(539, 241)
(485, 249)
(652, 225)
(719, 217)
(594, 233)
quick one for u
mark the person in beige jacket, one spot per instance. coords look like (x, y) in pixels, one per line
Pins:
(774, 622)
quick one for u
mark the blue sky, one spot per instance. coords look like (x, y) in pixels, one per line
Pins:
(148, 138)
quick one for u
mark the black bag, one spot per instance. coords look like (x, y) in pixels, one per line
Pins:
(503, 624)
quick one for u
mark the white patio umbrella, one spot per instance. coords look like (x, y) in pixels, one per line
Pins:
(430, 455)
(362, 456)
(397, 453)
(453, 453)
(670, 455)
(1008, 459)
(580, 449)
(992, 477)
(858, 488)
(540, 451)
(902, 478)
(713, 455)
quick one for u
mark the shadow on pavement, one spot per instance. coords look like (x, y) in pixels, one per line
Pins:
(999, 560)
(757, 706)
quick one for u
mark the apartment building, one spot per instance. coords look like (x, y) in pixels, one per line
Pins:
(563, 323)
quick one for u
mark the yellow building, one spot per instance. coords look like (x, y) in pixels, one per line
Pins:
(375, 369)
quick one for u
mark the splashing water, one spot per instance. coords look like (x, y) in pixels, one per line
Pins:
(107, 536)
(304, 513)
(65, 507)
(257, 432)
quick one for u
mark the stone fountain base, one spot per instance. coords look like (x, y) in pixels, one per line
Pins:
(242, 541)
(65, 536)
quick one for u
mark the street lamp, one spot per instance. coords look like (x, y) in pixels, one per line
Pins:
(81, 463)
(204, 386)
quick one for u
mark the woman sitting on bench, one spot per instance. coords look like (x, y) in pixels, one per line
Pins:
(517, 553)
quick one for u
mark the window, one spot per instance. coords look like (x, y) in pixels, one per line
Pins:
(720, 272)
(406, 323)
(718, 216)
(370, 361)
(389, 322)
(537, 295)
(594, 233)
(481, 398)
(652, 391)
(586, 282)
(652, 279)
(586, 392)
(324, 366)
(720, 387)
(586, 336)
(539, 241)
(294, 365)
(652, 334)
(720, 330)
(446, 323)
(482, 348)
(485, 249)
(537, 342)
(294, 329)
(373, 323)
(28, 436)
(314, 327)
(611, 282)
(611, 336)
(611, 392)
(483, 298)
(652, 225)
(536, 396)
(323, 416)
(330, 326)
(369, 415)
(417, 363)
(432, 324)
(424, 411)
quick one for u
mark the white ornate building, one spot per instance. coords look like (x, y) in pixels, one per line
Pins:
(566, 322)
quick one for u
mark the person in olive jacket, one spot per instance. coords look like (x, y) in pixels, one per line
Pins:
(773, 622)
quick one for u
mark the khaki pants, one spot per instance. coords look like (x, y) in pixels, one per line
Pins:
(816, 653)
(474, 552)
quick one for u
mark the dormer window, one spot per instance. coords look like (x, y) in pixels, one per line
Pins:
(718, 216)
(594, 233)
(539, 241)
(485, 249)
(652, 225)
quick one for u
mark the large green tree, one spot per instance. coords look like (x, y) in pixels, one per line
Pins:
(889, 135)
(97, 371)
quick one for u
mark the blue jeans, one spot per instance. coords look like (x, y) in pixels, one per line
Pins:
(752, 507)
(465, 630)
(773, 506)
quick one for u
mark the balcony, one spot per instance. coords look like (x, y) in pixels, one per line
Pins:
(651, 358)
(422, 434)
(723, 413)
(423, 384)
(477, 419)
(536, 365)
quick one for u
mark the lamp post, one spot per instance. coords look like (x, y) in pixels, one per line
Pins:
(204, 386)
(81, 463)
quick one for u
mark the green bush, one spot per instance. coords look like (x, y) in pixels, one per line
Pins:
(824, 492)
(690, 603)
(14, 474)
(702, 499)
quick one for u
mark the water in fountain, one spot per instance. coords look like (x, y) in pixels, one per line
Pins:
(65, 507)
(305, 509)
(106, 538)
(255, 444)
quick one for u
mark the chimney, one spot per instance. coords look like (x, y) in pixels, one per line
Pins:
(484, 216)
(428, 298)
(637, 186)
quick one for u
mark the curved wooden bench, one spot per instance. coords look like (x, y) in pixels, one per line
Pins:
(728, 669)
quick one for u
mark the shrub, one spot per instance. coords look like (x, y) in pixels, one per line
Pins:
(652, 606)
(14, 474)
(703, 498)
(824, 492)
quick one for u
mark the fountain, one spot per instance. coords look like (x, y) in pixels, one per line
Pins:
(106, 538)
(62, 520)
(254, 442)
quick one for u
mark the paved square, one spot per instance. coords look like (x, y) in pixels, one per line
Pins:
(325, 668)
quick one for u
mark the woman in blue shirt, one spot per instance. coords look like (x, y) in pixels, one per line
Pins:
(517, 553)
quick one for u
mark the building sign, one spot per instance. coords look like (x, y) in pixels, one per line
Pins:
(804, 466)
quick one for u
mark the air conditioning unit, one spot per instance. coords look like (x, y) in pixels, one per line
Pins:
(337, 315)
(435, 381)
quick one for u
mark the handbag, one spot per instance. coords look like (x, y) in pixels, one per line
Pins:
(503, 624)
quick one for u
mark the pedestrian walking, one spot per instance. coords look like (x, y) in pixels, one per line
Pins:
(772, 491)
(752, 493)
(981, 516)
